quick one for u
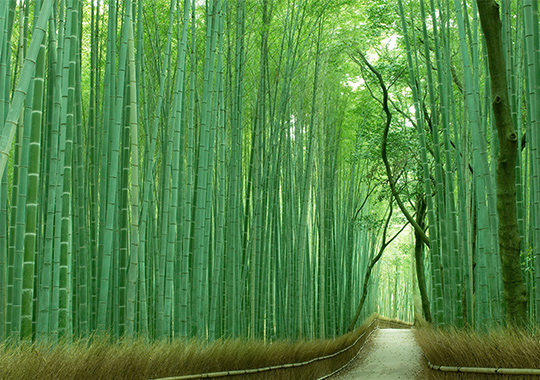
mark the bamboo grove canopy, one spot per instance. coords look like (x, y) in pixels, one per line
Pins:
(189, 168)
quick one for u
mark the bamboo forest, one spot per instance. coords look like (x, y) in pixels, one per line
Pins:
(267, 169)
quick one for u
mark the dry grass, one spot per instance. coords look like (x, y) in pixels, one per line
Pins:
(139, 360)
(496, 349)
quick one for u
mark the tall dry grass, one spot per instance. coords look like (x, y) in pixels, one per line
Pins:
(494, 349)
(101, 359)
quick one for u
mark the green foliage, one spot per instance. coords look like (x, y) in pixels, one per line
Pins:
(213, 169)
(197, 173)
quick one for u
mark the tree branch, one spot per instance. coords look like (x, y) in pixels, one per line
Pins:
(374, 261)
(391, 180)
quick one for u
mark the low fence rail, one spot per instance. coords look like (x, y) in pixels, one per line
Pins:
(379, 322)
(372, 327)
(485, 370)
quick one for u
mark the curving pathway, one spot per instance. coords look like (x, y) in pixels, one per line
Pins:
(393, 354)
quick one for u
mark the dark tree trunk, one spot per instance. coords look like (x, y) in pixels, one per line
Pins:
(509, 238)
(384, 244)
(419, 256)
(369, 269)
(391, 179)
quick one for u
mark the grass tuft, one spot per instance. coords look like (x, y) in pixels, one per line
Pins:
(137, 359)
(494, 349)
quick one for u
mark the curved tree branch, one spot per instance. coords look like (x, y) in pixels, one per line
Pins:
(374, 261)
(391, 180)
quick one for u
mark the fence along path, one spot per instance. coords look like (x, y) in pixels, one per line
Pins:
(362, 338)
(372, 329)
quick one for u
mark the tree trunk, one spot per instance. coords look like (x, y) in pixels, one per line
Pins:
(509, 238)
(372, 263)
(418, 256)
(375, 260)
(391, 179)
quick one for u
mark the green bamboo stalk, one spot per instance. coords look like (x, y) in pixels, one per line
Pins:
(92, 160)
(80, 304)
(123, 196)
(67, 117)
(532, 74)
(114, 125)
(52, 128)
(5, 71)
(20, 198)
(60, 244)
(176, 237)
(4, 222)
(443, 81)
(535, 160)
(164, 301)
(146, 222)
(3, 252)
(306, 187)
(142, 285)
(446, 91)
(234, 212)
(12, 244)
(81, 259)
(30, 241)
(483, 189)
(444, 224)
(203, 185)
(8, 130)
(164, 268)
(218, 257)
(187, 244)
(434, 247)
(19, 231)
(134, 263)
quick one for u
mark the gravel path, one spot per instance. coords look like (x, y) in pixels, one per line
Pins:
(393, 354)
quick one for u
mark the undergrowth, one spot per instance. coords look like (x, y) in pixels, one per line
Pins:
(101, 359)
(494, 349)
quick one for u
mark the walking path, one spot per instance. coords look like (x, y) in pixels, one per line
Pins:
(393, 354)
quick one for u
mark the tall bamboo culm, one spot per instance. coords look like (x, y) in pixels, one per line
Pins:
(464, 215)
(172, 179)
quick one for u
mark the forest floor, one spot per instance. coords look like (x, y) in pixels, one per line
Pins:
(392, 354)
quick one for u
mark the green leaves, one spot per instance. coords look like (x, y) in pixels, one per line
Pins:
(197, 189)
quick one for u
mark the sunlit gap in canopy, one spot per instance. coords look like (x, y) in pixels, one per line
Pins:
(397, 287)
(294, 128)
